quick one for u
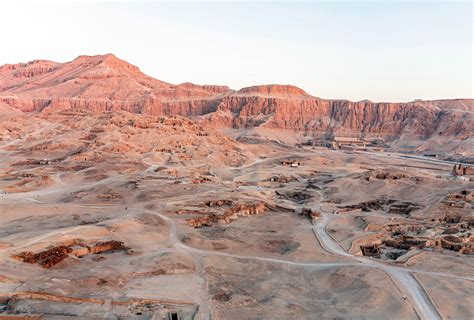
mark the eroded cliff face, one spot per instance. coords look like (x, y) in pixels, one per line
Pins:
(319, 117)
(106, 83)
(98, 83)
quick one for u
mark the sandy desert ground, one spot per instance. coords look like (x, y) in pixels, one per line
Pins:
(123, 216)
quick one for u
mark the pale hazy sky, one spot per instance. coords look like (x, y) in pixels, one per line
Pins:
(377, 50)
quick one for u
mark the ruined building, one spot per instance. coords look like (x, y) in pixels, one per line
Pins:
(310, 213)
(291, 163)
(50, 257)
(462, 170)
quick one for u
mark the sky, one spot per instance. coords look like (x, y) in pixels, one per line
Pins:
(376, 50)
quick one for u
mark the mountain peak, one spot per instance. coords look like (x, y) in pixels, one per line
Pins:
(97, 57)
(104, 81)
(275, 90)
(108, 60)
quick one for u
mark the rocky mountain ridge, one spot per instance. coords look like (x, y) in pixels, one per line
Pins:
(106, 83)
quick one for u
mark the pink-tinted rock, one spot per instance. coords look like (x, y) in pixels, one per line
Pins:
(106, 83)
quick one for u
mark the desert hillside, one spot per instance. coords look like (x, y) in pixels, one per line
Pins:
(125, 197)
(106, 83)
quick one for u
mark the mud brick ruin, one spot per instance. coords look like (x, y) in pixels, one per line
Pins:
(403, 208)
(46, 258)
(282, 179)
(380, 175)
(291, 163)
(388, 205)
(200, 180)
(310, 214)
(462, 170)
(218, 203)
(453, 231)
(50, 257)
(371, 250)
(459, 200)
(295, 196)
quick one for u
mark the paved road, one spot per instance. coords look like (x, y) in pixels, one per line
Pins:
(404, 280)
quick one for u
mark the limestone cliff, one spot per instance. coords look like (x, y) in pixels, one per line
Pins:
(104, 83)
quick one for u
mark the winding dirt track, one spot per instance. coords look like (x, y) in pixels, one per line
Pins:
(402, 277)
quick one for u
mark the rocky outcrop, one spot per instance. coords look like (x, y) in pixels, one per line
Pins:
(229, 215)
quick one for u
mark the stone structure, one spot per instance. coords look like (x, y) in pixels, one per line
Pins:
(46, 258)
(349, 143)
(200, 180)
(462, 170)
(282, 179)
(371, 250)
(452, 231)
(229, 215)
(383, 204)
(310, 214)
(50, 257)
(218, 203)
(291, 163)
